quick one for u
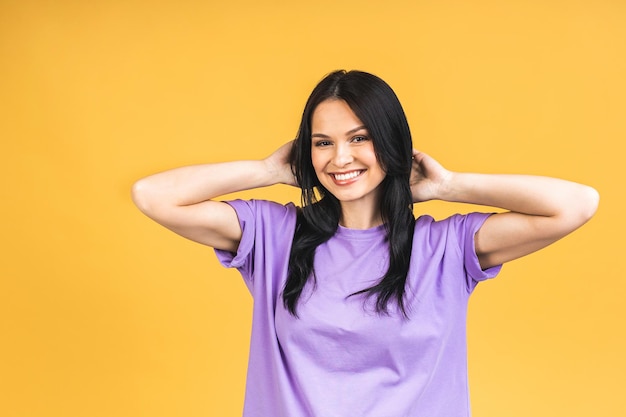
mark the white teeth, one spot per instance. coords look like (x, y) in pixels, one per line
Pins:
(347, 176)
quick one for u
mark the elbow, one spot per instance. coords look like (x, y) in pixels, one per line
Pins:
(141, 196)
(589, 203)
(583, 206)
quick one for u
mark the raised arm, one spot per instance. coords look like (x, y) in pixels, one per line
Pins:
(541, 210)
(182, 199)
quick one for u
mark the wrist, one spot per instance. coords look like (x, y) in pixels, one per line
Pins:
(453, 187)
(448, 187)
(275, 173)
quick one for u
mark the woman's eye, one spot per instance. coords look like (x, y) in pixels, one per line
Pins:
(359, 138)
(322, 143)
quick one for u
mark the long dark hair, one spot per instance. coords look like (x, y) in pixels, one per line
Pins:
(376, 105)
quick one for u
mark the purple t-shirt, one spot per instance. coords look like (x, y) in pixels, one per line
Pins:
(340, 358)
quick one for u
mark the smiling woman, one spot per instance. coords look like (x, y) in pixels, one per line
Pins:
(341, 105)
(344, 160)
(360, 309)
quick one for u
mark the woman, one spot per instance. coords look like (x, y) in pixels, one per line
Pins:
(359, 308)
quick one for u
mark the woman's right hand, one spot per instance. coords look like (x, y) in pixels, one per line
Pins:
(279, 166)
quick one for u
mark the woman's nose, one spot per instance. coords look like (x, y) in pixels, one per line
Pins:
(343, 155)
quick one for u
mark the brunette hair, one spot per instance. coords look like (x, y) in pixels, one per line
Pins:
(377, 106)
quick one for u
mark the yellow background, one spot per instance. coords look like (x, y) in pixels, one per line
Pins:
(104, 313)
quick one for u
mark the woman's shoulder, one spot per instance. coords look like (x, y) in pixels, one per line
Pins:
(267, 209)
(458, 223)
(453, 218)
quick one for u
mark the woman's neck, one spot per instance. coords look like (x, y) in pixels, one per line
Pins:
(356, 217)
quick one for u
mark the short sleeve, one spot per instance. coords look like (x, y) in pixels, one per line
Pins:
(245, 214)
(267, 232)
(466, 227)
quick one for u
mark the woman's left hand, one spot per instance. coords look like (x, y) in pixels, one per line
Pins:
(429, 178)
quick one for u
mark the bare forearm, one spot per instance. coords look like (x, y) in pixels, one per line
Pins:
(540, 210)
(194, 184)
(525, 194)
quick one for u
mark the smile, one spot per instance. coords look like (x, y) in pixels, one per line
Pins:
(346, 176)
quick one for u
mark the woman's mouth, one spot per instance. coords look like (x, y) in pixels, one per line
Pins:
(346, 177)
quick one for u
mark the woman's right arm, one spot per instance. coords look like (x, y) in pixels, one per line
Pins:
(182, 199)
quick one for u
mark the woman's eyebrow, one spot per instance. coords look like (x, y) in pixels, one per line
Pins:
(349, 132)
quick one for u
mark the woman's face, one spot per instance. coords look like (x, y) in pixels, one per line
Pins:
(343, 156)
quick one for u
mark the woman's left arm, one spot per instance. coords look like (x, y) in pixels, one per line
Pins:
(542, 210)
